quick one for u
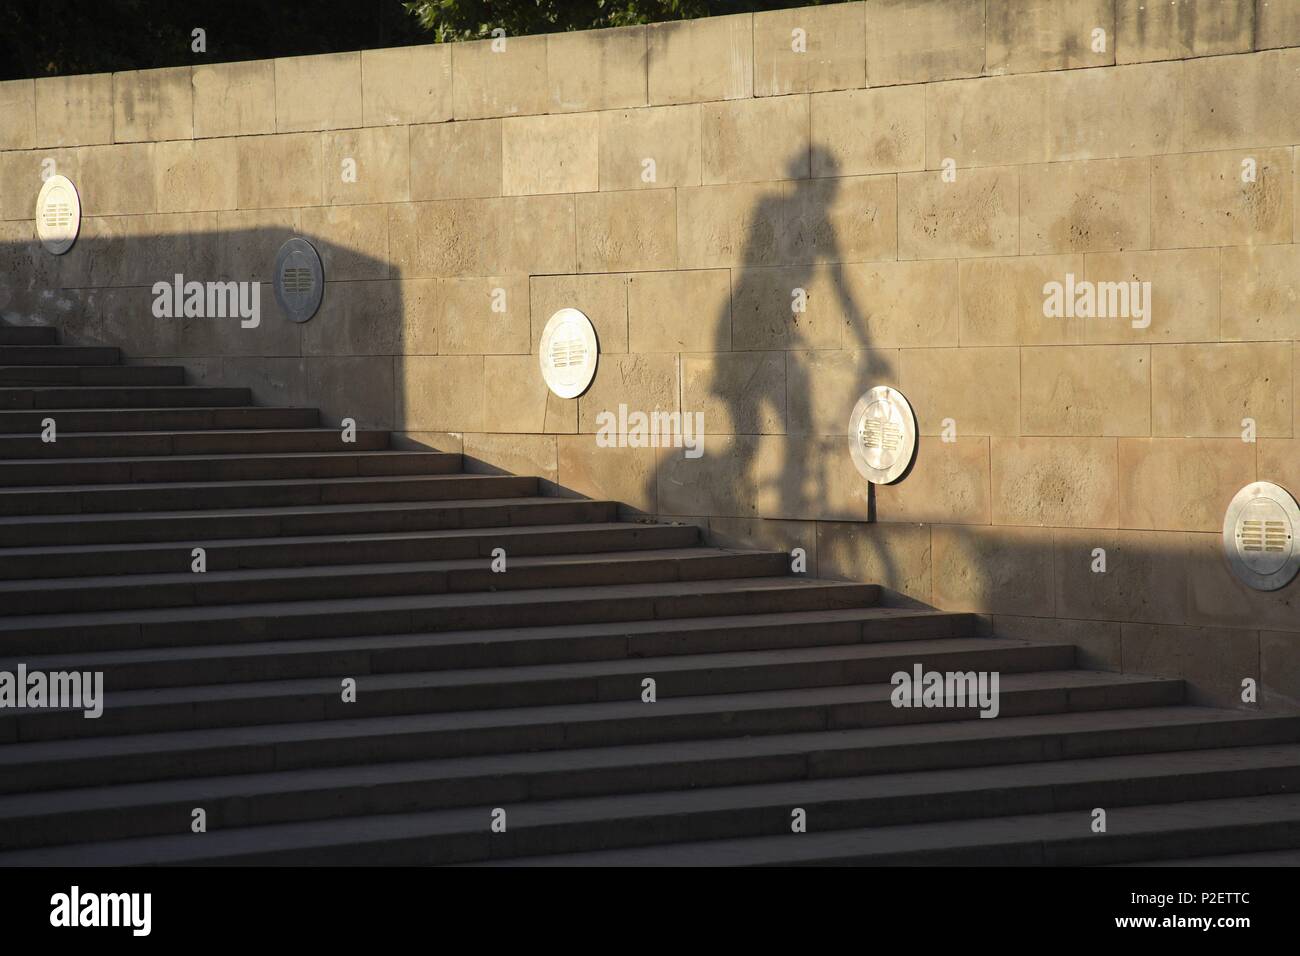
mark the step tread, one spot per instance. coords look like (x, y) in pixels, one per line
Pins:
(1067, 825)
(893, 841)
(695, 553)
(907, 651)
(561, 714)
(406, 602)
(434, 773)
(200, 486)
(384, 642)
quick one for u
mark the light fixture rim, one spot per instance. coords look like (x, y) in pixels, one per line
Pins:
(560, 316)
(59, 246)
(1271, 491)
(901, 464)
(290, 246)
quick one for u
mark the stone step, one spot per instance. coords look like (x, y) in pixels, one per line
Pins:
(410, 614)
(168, 496)
(55, 398)
(1262, 858)
(187, 588)
(108, 445)
(161, 419)
(1165, 831)
(403, 818)
(92, 375)
(28, 335)
(320, 550)
(188, 527)
(339, 462)
(420, 692)
(59, 355)
(388, 653)
(134, 758)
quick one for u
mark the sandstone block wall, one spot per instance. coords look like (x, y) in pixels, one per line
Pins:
(677, 183)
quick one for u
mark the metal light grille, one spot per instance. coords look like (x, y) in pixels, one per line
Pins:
(298, 280)
(58, 215)
(875, 433)
(567, 353)
(1263, 536)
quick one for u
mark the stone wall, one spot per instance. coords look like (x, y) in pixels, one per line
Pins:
(528, 170)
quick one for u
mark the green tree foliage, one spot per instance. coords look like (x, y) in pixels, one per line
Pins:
(474, 19)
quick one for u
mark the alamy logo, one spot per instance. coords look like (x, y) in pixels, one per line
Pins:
(69, 690)
(653, 430)
(923, 688)
(74, 908)
(1085, 299)
(208, 300)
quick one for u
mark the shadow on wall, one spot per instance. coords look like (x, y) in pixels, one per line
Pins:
(102, 292)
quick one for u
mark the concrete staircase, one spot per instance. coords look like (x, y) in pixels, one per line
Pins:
(520, 690)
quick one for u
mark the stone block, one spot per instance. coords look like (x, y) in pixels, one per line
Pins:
(352, 240)
(948, 484)
(1144, 577)
(1279, 461)
(975, 216)
(989, 122)
(1097, 644)
(860, 132)
(765, 533)
(1181, 484)
(601, 298)
(513, 455)
(1261, 293)
(763, 315)
(501, 77)
(1216, 596)
(733, 225)
(195, 175)
(644, 383)
(366, 166)
(849, 219)
(248, 241)
(1184, 304)
(484, 315)
(360, 387)
(679, 311)
(1054, 482)
(625, 475)
(17, 114)
(1115, 112)
(810, 49)
(1277, 23)
(1098, 206)
(151, 105)
(516, 398)
(279, 171)
(1206, 390)
(1242, 102)
(755, 140)
(991, 569)
(1178, 29)
(357, 318)
(276, 380)
(1091, 390)
(1212, 661)
(234, 99)
(901, 304)
(317, 92)
(740, 393)
(515, 234)
(456, 160)
(550, 154)
(1279, 665)
(596, 69)
(895, 556)
(1002, 300)
(440, 393)
(117, 180)
(1028, 36)
(692, 61)
(917, 41)
(626, 231)
(978, 388)
(74, 110)
(406, 85)
(1199, 199)
(650, 148)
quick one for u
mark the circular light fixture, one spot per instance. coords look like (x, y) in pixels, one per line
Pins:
(58, 215)
(1259, 536)
(299, 279)
(882, 435)
(568, 353)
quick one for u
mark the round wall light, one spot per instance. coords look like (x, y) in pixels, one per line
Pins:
(299, 279)
(1259, 536)
(58, 214)
(568, 353)
(882, 435)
